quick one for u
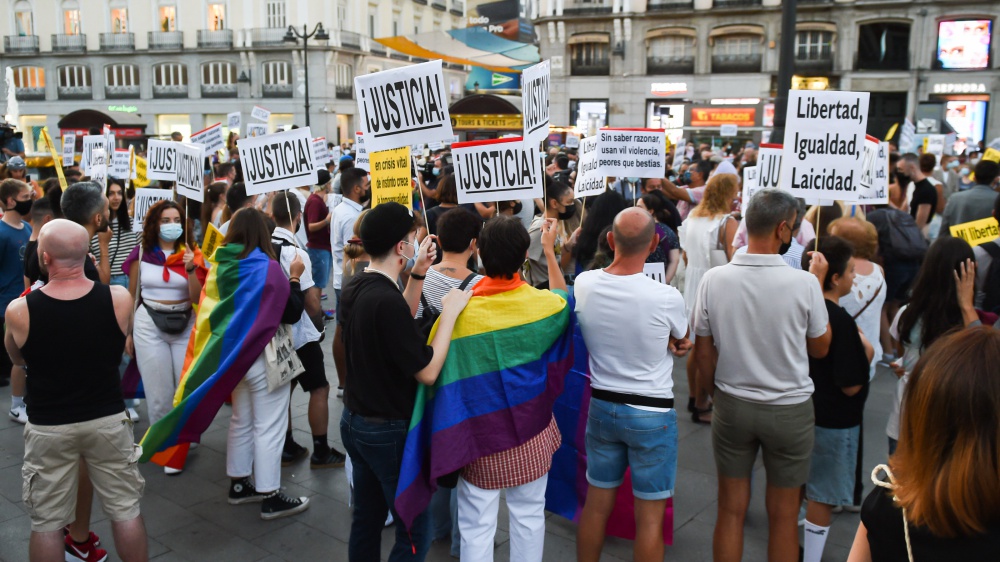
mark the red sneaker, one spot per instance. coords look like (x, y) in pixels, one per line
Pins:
(86, 552)
(93, 539)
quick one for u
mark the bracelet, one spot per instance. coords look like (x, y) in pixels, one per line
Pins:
(417, 277)
(191, 270)
(293, 279)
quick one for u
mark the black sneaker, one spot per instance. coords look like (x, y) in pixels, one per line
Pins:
(277, 505)
(331, 459)
(292, 453)
(243, 491)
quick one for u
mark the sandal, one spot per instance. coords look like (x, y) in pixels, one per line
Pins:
(697, 413)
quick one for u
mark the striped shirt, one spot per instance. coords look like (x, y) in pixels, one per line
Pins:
(437, 285)
(120, 246)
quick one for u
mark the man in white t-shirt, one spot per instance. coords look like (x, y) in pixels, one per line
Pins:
(632, 422)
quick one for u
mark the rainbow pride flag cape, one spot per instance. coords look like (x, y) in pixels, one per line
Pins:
(510, 350)
(241, 307)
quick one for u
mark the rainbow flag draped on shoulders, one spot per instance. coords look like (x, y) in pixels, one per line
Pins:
(241, 307)
(510, 351)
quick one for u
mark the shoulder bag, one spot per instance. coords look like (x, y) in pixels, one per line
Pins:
(171, 322)
(717, 256)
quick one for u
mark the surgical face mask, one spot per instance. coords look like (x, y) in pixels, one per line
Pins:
(633, 181)
(436, 171)
(413, 259)
(171, 231)
(973, 161)
(953, 164)
(964, 172)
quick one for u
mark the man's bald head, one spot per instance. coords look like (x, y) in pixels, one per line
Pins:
(64, 243)
(633, 231)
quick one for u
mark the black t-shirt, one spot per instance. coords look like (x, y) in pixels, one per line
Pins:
(385, 348)
(845, 365)
(924, 193)
(887, 541)
(33, 271)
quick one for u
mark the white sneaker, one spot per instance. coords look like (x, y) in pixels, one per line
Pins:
(340, 392)
(172, 471)
(133, 415)
(19, 414)
(389, 520)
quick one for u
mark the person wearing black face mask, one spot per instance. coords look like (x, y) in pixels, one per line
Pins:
(559, 204)
(14, 235)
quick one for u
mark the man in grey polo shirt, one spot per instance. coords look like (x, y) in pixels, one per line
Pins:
(757, 321)
(974, 203)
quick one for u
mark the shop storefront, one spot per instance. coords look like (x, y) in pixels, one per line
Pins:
(485, 116)
(960, 108)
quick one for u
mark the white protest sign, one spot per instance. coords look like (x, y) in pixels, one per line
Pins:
(109, 141)
(256, 129)
(655, 271)
(277, 162)
(935, 145)
(728, 130)
(750, 186)
(874, 188)
(636, 153)
(361, 153)
(190, 170)
(233, 121)
(261, 114)
(824, 144)
(144, 199)
(321, 154)
(907, 136)
(210, 138)
(90, 143)
(679, 151)
(436, 145)
(572, 141)
(589, 179)
(98, 171)
(68, 149)
(535, 102)
(119, 164)
(335, 153)
(769, 166)
(765, 136)
(403, 106)
(497, 170)
(161, 160)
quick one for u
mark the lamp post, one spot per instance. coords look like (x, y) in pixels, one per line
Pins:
(786, 67)
(292, 35)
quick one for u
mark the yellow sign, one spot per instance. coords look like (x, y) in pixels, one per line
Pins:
(892, 131)
(992, 155)
(140, 173)
(56, 158)
(496, 122)
(977, 232)
(390, 170)
(213, 239)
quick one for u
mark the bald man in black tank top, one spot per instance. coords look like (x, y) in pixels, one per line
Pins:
(75, 406)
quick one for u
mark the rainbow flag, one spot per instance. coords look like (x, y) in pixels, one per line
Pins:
(241, 307)
(510, 350)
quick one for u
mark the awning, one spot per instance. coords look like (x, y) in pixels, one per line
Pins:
(473, 45)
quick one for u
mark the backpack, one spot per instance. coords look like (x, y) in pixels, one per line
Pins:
(430, 314)
(898, 235)
(992, 289)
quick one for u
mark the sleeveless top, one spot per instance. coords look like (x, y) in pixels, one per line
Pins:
(73, 351)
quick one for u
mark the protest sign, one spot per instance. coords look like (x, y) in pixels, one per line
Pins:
(402, 106)
(679, 152)
(435, 145)
(977, 232)
(256, 129)
(769, 159)
(497, 170)
(56, 159)
(98, 166)
(141, 171)
(655, 271)
(934, 144)
(361, 153)
(261, 114)
(535, 102)
(210, 138)
(233, 121)
(109, 142)
(874, 188)
(335, 153)
(190, 167)
(992, 155)
(824, 144)
(572, 141)
(907, 136)
(636, 153)
(68, 150)
(589, 179)
(390, 170)
(750, 186)
(90, 142)
(321, 153)
(213, 239)
(728, 130)
(276, 162)
(162, 160)
(119, 164)
(144, 199)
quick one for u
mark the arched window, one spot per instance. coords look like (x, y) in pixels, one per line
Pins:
(121, 81)
(737, 48)
(670, 51)
(23, 21)
(29, 82)
(344, 81)
(170, 80)
(71, 17)
(884, 46)
(590, 54)
(75, 82)
(277, 79)
(218, 79)
(274, 14)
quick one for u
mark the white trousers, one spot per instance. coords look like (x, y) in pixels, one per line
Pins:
(477, 520)
(257, 430)
(160, 358)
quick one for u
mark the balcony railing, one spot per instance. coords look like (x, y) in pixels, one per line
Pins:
(268, 37)
(173, 91)
(121, 92)
(277, 90)
(593, 69)
(736, 63)
(30, 94)
(345, 92)
(735, 3)
(439, 5)
(669, 65)
(664, 5)
(75, 92)
(166, 40)
(378, 48)
(350, 39)
(215, 39)
(814, 65)
(117, 41)
(62, 43)
(458, 7)
(218, 90)
(20, 44)
(398, 56)
(587, 7)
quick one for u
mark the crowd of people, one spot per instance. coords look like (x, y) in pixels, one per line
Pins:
(455, 315)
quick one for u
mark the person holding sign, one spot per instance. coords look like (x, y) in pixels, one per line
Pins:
(987, 273)
(85, 204)
(974, 203)
(123, 240)
(560, 206)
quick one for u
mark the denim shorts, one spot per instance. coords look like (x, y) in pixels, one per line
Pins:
(831, 472)
(621, 437)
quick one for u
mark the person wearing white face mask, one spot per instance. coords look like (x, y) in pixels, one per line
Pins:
(166, 273)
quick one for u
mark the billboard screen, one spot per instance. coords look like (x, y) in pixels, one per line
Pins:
(964, 44)
(968, 118)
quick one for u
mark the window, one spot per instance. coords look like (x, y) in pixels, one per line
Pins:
(344, 81)
(813, 45)
(670, 54)
(71, 18)
(588, 115)
(216, 17)
(170, 74)
(168, 18)
(29, 77)
(371, 25)
(218, 73)
(736, 53)
(22, 18)
(74, 76)
(591, 59)
(395, 24)
(121, 75)
(341, 16)
(119, 20)
(277, 73)
(416, 25)
(884, 46)
(275, 10)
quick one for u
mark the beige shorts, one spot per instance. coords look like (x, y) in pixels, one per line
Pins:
(51, 470)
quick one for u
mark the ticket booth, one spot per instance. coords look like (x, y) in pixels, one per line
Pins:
(485, 116)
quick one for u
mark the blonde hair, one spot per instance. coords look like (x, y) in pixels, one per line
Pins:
(719, 194)
(860, 233)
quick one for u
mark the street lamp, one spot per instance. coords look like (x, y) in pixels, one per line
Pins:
(786, 68)
(292, 35)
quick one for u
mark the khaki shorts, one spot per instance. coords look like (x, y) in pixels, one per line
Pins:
(51, 471)
(784, 433)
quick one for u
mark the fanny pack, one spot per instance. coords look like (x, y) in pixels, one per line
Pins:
(169, 322)
(631, 399)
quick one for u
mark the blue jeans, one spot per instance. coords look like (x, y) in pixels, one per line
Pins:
(322, 264)
(376, 449)
(120, 280)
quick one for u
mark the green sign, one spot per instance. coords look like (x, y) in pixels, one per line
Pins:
(501, 79)
(123, 108)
